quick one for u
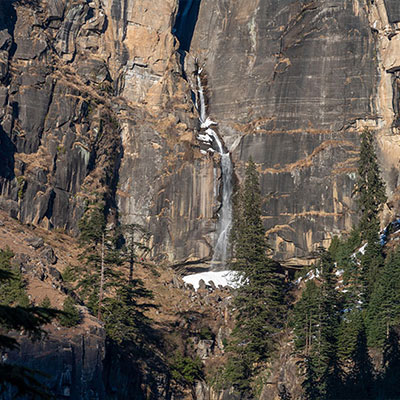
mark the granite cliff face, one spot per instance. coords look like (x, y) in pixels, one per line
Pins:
(96, 106)
(305, 75)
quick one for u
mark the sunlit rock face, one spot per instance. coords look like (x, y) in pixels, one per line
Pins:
(290, 83)
(94, 111)
(94, 104)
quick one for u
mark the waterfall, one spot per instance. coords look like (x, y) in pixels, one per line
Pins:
(213, 141)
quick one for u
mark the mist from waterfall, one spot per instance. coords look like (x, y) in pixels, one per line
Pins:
(212, 139)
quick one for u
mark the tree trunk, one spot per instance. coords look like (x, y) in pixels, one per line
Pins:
(101, 290)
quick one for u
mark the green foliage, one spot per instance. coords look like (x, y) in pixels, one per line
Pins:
(350, 326)
(45, 303)
(238, 370)
(371, 198)
(306, 321)
(30, 320)
(206, 333)
(134, 246)
(258, 300)
(309, 386)
(391, 366)
(331, 327)
(21, 181)
(370, 186)
(70, 316)
(20, 318)
(186, 370)
(92, 225)
(360, 380)
(12, 289)
(124, 313)
(316, 323)
(384, 307)
(69, 274)
(16, 315)
(100, 256)
(24, 382)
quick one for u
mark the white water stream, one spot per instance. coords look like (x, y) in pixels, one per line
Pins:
(214, 142)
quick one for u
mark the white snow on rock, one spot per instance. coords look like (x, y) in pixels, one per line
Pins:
(208, 122)
(223, 278)
(361, 251)
(204, 138)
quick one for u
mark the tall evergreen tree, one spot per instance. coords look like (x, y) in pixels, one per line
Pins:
(100, 257)
(124, 314)
(371, 199)
(344, 254)
(350, 327)
(135, 245)
(360, 382)
(326, 360)
(309, 384)
(318, 329)
(306, 319)
(370, 186)
(384, 307)
(258, 300)
(391, 366)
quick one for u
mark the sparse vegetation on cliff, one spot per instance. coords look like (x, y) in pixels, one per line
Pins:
(70, 316)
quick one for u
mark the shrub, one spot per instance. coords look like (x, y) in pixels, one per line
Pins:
(186, 370)
(71, 316)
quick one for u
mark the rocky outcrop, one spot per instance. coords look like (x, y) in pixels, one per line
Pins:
(73, 366)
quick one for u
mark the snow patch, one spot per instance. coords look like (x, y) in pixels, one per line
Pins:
(207, 123)
(204, 138)
(223, 278)
(361, 250)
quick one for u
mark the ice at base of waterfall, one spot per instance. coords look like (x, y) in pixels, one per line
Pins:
(223, 278)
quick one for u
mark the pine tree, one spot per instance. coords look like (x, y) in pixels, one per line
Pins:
(370, 186)
(70, 316)
(350, 327)
(310, 382)
(258, 300)
(12, 289)
(306, 319)
(239, 369)
(371, 199)
(124, 313)
(344, 254)
(360, 382)
(384, 307)
(326, 359)
(100, 256)
(316, 328)
(135, 245)
(391, 366)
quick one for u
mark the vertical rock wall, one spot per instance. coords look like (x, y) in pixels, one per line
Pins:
(93, 111)
(94, 108)
(292, 83)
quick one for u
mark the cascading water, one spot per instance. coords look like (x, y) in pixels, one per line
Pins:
(212, 139)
